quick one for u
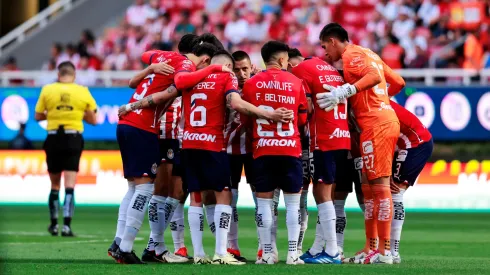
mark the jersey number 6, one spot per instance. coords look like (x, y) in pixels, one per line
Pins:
(198, 109)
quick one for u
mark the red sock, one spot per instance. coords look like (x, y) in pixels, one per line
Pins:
(369, 218)
(383, 215)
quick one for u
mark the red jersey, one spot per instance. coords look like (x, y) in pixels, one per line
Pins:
(205, 112)
(145, 119)
(170, 126)
(238, 140)
(328, 130)
(412, 131)
(270, 90)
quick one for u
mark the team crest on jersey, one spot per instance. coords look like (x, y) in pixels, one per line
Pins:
(170, 154)
(367, 147)
(154, 168)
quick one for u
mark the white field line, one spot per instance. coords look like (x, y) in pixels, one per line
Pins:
(33, 233)
(67, 242)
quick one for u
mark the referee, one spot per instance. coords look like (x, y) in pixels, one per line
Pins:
(64, 105)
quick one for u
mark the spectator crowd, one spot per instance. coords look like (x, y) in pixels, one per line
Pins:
(405, 33)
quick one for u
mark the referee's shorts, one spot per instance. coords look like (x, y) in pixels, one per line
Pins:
(63, 150)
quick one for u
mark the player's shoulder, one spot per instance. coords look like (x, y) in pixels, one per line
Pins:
(290, 76)
(358, 51)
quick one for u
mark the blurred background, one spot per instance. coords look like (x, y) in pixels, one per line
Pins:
(440, 47)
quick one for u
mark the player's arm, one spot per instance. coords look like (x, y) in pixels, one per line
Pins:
(303, 109)
(359, 66)
(40, 110)
(369, 74)
(185, 80)
(90, 115)
(307, 92)
(394, 79)
(150, 101)
(154, 68)
(235, 102)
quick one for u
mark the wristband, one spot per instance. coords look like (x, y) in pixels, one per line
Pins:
(128, 107)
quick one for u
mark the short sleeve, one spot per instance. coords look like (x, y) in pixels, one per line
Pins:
(303, 103)
(301, 72)
(306, 89)
(231, 85)
(40, 105)
(91, 104)
(147, 57)
(246, 91)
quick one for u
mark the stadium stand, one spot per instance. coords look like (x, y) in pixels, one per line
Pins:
(408, 34)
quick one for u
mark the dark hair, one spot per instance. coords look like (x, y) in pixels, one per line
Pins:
(294, 53)
(11, 60)
(205, 49)
(334, 30)
(52, 62)
(89, 35)
(70, 46)
(211, 38)
(393, 39)
(58, 46)
(240, 55)
(187, 42)
(66, 68)
(227, 54)
(271, 48)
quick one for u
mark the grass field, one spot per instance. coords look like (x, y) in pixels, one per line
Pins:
(432, 243)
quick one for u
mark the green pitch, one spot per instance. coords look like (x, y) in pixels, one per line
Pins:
(432, 243)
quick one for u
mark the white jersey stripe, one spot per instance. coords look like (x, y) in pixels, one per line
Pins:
(405, 139)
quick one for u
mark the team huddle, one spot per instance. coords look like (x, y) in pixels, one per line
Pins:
(200, 116)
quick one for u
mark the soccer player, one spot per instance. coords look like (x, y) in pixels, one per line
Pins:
(352, 175)
(168, 194)
(138, 142)
(330, 143)
(414, 148)
(277, 146)
(206, 162)
(367, 77)
(239, 149)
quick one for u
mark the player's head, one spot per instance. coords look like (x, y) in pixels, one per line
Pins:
(212, 39)
(66, 70)
(333, 39)
(243, 67)
(275, 53)
(203, 52)
(223, 57)
(186, 43)
(295, 57)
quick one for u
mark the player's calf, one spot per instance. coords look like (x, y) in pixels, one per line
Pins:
(135, 215)
(121, 219)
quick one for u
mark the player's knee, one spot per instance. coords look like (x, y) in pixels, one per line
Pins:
(55, 186)
(322, 192)
(208, 198)
(196, 199)
(381, 181)
(223, 197)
